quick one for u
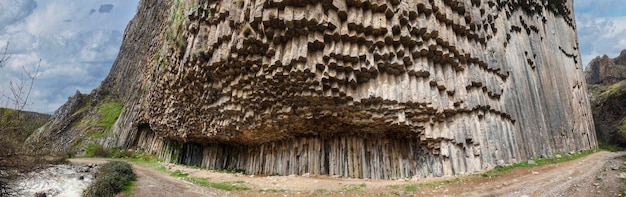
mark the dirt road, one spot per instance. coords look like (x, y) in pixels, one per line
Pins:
(598, 174)
(152, 183)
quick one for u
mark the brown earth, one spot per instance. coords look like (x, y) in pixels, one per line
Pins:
(598, 174)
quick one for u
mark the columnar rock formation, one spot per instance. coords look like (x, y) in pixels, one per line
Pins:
(368, 89)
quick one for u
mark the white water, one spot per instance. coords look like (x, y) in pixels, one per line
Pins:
(59, 180)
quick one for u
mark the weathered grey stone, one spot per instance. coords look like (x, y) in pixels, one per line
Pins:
(500, 163)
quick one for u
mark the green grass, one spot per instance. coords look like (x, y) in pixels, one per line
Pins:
(95, 134)
(414, 187)
(609, 146)
(94, 150)
(150, 163)
(110, 111)
(129, 189)
(614, 89)
(273, 190)
(411, 188)
(353, 187)
(180, 174)
(599, 92)
(227, 186)
(538, 162)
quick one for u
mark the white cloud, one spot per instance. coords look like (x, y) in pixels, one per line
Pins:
(77, 42)
(12, 11)
(601, 27)
(600, 36)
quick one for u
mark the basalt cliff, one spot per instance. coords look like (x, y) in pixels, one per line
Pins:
(380, 89)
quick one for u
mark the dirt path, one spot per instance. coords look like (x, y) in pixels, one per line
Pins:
(598, 174)
(153, 183)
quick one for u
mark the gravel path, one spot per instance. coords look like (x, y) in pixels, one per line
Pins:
(598, 174)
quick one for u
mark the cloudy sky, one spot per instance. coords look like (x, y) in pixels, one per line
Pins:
(77, 41)
(601, 26)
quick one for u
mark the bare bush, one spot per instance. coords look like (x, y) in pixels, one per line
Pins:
(14, 159)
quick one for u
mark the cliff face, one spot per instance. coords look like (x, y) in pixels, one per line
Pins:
(368, 89)
(604, 70)
(607, 87)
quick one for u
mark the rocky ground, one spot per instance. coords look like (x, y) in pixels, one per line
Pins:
(598, 174)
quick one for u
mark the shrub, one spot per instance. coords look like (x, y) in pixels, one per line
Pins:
(111, 179)
(96, 150)
(100, 152)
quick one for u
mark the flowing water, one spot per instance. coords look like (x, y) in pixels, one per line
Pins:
(58, 180)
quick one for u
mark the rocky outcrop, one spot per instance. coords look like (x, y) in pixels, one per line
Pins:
(367, 89)
(607, 85)
(604, 70)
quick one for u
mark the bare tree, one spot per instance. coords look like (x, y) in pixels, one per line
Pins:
(5, 56)
(14, 160)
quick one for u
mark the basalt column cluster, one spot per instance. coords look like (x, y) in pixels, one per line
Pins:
(368, 89)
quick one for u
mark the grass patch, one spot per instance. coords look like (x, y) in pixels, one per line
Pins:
(599, 93)
(414, 187)
(353, 187)
(110, 111)
(411, 188)
(180, 174)
(273, 190)
(95, 150)
(129, 189)
(609, 146)
(150, 163)
(112, 178)
(227, 186)
(538, 162)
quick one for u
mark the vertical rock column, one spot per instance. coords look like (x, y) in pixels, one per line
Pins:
(367, 89)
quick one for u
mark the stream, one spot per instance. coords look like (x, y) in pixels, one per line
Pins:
(58, 180)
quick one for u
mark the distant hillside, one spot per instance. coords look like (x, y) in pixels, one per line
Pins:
(20, 123)
(606, 81)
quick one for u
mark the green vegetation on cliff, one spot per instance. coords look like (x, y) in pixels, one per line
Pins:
(110, 111)
(607, 104)
(599, 92)
(20, 124)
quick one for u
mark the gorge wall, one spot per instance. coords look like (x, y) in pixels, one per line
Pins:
(606, 83)
(366, 89)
